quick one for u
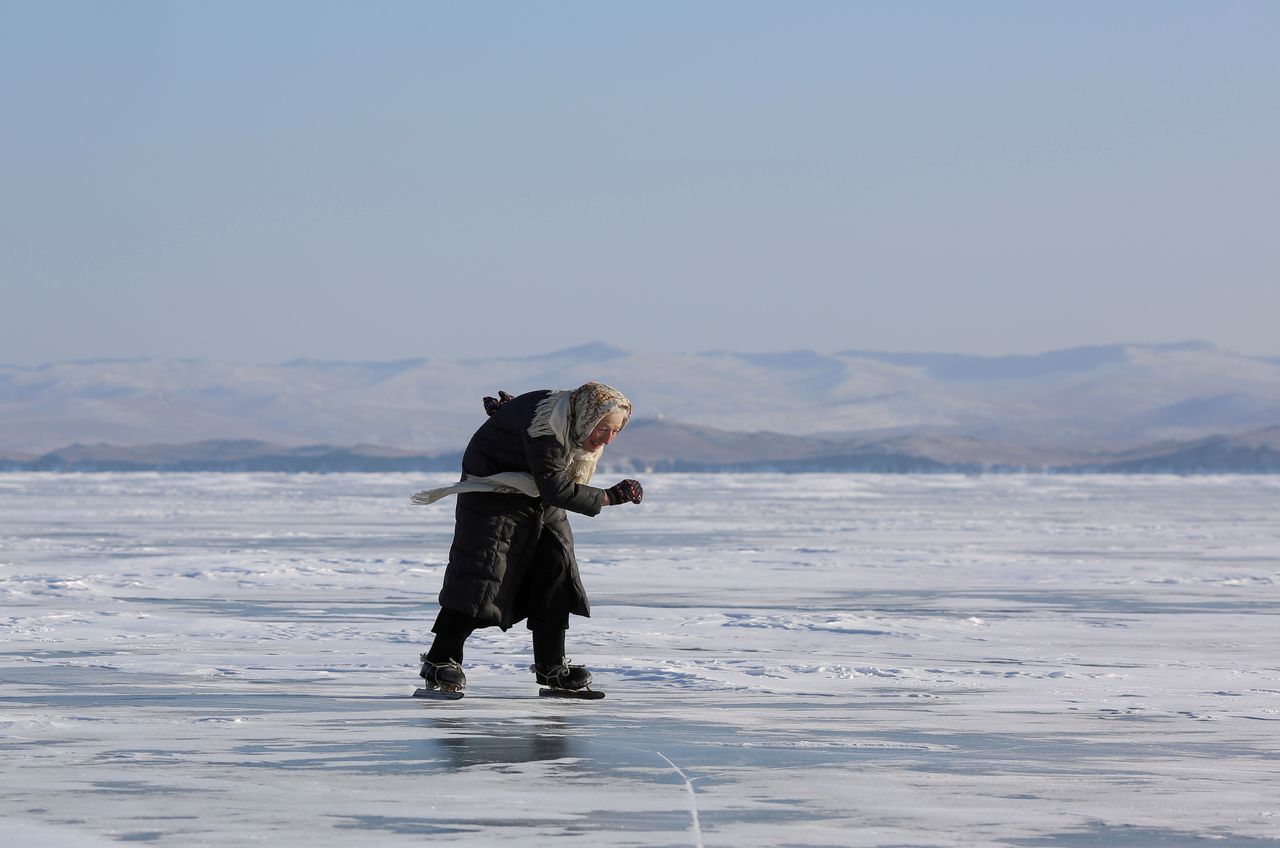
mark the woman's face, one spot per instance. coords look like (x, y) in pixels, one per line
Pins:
(605, 431)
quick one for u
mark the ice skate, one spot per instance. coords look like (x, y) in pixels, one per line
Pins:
(562, 680)
(445, 680)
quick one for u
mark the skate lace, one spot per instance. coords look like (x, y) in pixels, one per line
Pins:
(554, 672)
(446, 664)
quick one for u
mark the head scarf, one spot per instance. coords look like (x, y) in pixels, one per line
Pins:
(592, 403)
(571, 415)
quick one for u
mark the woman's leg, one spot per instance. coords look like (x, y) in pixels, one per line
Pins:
(548, 639)
(452, 629)
(549, 619)
(442, 665)
(548, 593)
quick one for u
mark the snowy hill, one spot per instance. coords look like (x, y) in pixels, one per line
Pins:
(1098, 398)
(1254, 452)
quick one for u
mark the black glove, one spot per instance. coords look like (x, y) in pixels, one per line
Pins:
(491, 404)
(627, 490)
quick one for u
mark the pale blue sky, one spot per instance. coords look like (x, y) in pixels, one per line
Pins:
(378, 180)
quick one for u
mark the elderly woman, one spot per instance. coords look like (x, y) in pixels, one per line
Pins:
(512, 556)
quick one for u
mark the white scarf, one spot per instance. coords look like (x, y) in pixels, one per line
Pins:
(553, 416)
(505, 483)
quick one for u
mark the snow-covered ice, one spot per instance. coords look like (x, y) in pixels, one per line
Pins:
(789, 660)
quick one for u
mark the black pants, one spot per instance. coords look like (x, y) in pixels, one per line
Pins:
(545, 597)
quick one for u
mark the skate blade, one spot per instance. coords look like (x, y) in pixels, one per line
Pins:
(438, 694)
(579, 694)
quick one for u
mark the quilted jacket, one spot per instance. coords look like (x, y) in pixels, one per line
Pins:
(495, 535)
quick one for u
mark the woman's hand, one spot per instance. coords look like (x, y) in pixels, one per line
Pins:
(627, 490)
(492, 404)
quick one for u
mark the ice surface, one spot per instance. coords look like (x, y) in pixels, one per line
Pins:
(790, 660)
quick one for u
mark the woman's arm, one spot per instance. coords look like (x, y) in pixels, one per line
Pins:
(549, 465)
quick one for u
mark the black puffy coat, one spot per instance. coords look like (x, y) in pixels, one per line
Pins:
(496, 535)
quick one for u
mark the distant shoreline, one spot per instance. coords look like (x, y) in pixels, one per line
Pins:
(717, 452)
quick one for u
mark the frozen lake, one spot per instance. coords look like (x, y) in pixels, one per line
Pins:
(790, 660)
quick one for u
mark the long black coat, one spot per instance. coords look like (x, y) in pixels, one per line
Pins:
(495, 536)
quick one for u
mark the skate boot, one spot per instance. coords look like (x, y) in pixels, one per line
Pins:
(444, 677)
(562, 676)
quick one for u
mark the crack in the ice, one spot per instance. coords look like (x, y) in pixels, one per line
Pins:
(693, 800)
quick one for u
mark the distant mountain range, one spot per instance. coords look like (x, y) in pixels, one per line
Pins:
(661, 446)
(1178, 407)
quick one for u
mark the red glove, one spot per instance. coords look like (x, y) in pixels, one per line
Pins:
(627, 490)
(491, 404)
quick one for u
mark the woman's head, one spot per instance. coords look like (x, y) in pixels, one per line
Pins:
(599, 414)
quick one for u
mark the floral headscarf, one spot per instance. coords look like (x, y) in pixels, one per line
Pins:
(570, 416)
(591, 403)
